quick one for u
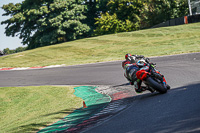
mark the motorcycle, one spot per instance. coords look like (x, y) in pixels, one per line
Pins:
(153, 79)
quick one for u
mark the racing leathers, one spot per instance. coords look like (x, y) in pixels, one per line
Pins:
(130, 73)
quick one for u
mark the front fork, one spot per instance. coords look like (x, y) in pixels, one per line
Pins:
(157, 74)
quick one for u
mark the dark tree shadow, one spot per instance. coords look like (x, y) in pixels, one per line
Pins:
(34, 127)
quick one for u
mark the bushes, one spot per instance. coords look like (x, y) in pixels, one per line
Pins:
(109, 24)
(9, 51)
(130, 15)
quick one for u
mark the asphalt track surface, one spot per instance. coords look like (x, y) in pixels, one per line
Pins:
(176, 111)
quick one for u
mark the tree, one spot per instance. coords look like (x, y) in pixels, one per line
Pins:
(94, 8)
(46, 22)
(90, 13)
(109, 24)
(126, 9)
(158, 11)
(121, 15)
(7, 51)
(20, 49)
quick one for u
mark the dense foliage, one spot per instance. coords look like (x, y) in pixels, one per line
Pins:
(11, 51)
(111, 24)
(46, 22)
(162, 10)
(139, 14)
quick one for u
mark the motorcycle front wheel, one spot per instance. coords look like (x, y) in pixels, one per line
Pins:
(157, 86)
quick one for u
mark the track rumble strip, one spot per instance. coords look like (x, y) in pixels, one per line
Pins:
(27, 68)
(122, 96)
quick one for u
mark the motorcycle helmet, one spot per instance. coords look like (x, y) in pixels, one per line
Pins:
(141, 62)
(127, 55)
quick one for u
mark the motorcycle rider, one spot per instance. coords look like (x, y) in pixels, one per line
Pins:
(132, 65)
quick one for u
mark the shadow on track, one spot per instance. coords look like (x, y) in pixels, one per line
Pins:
(176, 111)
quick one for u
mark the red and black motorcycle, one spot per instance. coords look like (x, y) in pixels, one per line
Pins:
(153, 79)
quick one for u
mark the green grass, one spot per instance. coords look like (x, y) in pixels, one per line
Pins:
(150, 42)
(28, 109)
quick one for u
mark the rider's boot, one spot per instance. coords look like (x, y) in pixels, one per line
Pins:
(141, 89)
(151, 90)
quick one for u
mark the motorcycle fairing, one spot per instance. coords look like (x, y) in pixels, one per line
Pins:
(142, 74)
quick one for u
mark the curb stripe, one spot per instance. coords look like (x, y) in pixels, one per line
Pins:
(29, 68)
(3, 69)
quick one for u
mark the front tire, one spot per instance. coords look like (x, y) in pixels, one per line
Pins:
(157, 86)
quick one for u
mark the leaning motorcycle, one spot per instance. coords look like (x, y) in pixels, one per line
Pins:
(153, 80)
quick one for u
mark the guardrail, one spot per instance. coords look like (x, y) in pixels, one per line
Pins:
(180, 21)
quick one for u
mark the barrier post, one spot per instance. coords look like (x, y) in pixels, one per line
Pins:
(185, 19)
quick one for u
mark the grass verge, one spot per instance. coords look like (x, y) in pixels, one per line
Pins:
(150, 42)
(28, 109)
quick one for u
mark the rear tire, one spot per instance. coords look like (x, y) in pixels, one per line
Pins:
(157, 86)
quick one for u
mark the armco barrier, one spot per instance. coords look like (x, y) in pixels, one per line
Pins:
(172, 22)
(194, 18)
(180, 21)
